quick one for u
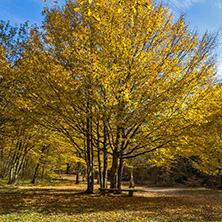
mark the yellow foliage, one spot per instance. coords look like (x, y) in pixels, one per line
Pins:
(123, 62)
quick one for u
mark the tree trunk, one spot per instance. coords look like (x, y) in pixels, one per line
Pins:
(77, 177)
(83, 175)
(24, 168)
(78, 172)
(120, 169)
(131, 185)
(114, 168)
(100, 176)
(92, 156)
(11, 175)
(43, 171)
(220, 180)
(105, 159)
(67, 168)
(19, 166)
(120, 173)
(15, 160)
(6, 167)
(114, 172)
(90, 176)
(37, 169)
(16, 168)
(105, 171)
(35, 174)
(1, 161)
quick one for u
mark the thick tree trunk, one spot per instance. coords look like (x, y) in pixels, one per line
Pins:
(120, 173)
(114, 172)
(90, 179)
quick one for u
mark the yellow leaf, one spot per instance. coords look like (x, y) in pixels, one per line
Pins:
(119, 10)
(89, 13)
(132, 20)
(76, 9)
(97, 18)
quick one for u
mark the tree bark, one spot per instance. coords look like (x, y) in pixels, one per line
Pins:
(35, 174)
(43, 171)
(78, 172)
(89, 147)
(105, 158)
(77, 177)
(67, 168)
(100, 176)
(114, 169)
(1, 161)
(131, 185)
(120, 173)
(114, 172)
(16, 168)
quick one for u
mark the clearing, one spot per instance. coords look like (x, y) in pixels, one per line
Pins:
(65, 201)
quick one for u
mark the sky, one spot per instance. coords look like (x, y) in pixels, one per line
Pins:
(204, 15)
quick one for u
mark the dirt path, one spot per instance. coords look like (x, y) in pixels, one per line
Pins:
(158, 189)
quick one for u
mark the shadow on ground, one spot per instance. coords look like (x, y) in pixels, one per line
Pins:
(65, 200)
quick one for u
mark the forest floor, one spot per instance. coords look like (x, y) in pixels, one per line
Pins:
(65, 201)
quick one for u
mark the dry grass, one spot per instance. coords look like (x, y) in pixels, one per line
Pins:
(65, 201)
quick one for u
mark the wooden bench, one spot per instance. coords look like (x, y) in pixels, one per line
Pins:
(103, 191)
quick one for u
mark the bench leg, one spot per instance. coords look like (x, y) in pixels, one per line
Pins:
(103, 192)
(130, 193)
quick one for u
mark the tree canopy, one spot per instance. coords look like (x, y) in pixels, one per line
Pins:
(117, 78)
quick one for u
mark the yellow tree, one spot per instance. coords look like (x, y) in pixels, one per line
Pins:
(9, 37)
(199, 140)
(153, 70)
(125, 64)
(202, 141)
